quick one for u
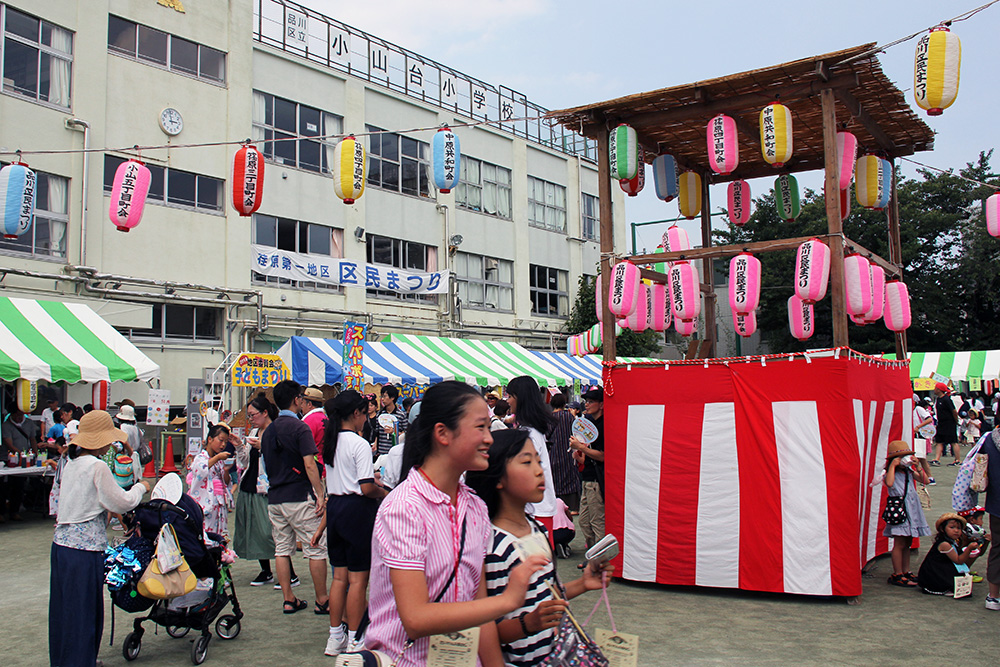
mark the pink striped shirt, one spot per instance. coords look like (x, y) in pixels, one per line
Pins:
(417, 528)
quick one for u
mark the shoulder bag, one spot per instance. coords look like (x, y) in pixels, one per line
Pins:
(895, 506)
(158, 584)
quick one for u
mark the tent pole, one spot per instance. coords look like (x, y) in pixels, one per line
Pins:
(835, 226)
(707, 265)
(896, 255)
(607, 241)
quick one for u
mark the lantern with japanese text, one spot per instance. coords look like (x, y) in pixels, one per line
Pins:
(676, 239)
(637, 320)
(598, 305)
(812, 270)
(99, 394)
(350, 168)
(745, 325)
(874, 313)
(744, 283)
(17, 199)
(723, 146)
(857, 284)
(739, 202)
(660, 309)
(936, 70)
(871, 182)
(992, 209)
(625, 284)
(689, 199)
(128, 194)
(897, 306)
(446, 156)
(623, 149)
(665, 177)
(776, 134)
(847, 153)
(26, 393)
(634, 185)
(247, 180)
(685, 292)
(801, 318)
(686, 328)
(786, 197)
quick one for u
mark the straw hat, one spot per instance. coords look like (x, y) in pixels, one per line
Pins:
(97, 431)
(312, 394)
(898, 448)
(947, 516)
(179, 421)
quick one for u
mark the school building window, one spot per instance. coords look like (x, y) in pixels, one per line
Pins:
(47, 236)
(180, 322)
(155, 47)
(306, 238)
(590, 209)
(398, 163)
(484, 187)
(37, 58)
(401, 254)
(294, 134)
(174, 187)
(549, 291)
(546, 205)
(484, 283)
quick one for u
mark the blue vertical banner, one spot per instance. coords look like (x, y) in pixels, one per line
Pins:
(354, 356)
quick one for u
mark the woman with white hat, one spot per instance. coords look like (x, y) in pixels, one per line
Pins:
(88, 492)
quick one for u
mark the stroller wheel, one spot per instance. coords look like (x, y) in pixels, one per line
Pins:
(177, 631)
(199, 650)
(130, 649)
(227, 627)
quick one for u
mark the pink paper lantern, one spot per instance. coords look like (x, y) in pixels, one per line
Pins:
(637, 320)
(247, 180)
(874, 313)
(686, 329)
(634, 185)
(598, 305)
(676, 239)
(685, 292)
(739, 202)
(659, 312)
(992, 208)
(897, 306)
(99, 394)
(847, 155)
(744, 284)
(801, 320)
(620, 323)
(812, 270)
(128, 194)
(745, 325)
(723, 147)
(857, 284)
(859, 320)
(625, 283)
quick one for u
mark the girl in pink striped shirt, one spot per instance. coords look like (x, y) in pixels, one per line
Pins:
(432, 534)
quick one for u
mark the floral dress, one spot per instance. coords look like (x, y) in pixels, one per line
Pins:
(208, 487)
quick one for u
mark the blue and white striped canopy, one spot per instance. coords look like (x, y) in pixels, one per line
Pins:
(319, 361)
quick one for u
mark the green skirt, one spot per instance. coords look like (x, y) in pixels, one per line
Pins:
(252, 537)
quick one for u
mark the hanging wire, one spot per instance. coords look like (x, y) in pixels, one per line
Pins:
(951, 172)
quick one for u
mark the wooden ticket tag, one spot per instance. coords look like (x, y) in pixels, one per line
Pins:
(621, 649)
(454, 649)
(963, 586)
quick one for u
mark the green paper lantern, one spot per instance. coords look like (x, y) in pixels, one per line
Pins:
(786, 197)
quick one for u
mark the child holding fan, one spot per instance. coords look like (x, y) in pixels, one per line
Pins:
(901, 468)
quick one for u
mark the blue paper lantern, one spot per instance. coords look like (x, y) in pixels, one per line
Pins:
(17, 199)
(445, 159)
(665, 177)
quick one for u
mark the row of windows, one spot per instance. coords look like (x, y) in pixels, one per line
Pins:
(398, 163)
(174, 186)
(178, 322)
(37, 58)
(296, 236)
(156, 47)
(294, 133)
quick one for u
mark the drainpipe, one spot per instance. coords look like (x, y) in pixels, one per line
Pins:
(76, 122)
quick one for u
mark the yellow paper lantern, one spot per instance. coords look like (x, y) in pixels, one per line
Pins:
(27, 395)
(690, 194)
(936, 70)
(776, 134)
(350, 169)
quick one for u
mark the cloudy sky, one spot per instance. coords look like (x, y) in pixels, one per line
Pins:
(562, 53)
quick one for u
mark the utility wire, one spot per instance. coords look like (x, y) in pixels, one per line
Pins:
(951, 172)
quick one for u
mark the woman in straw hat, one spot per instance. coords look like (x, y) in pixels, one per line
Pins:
(88, 492)
(946, 559)
(901, 468)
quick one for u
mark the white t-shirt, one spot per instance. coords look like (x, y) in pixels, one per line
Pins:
(391, 465)
(352, 465)
(548, 505)
(48, 420)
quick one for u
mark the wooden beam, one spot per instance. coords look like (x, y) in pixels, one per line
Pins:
(720, 251)
(853, 105)
(607, 243)
(891, 268)
(841, 332)
(706, 267)
(662, 278)
(749, 132)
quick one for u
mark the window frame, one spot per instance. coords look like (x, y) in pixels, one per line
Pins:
(534, 183)
(169, 64)
(302, 228)
(465, 185)
(561, 294)
(42, 50)
(18, 249)
(401, 249)
(161, 181)
(422, 160)
(594, 233)
(464, 281)
(325, 137)
(160, 313)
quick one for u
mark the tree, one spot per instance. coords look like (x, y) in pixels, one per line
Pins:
(584, 315)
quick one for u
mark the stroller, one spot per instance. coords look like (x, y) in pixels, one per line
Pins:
(198, 609)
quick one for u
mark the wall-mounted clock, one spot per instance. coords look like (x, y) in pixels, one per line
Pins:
(171, 121)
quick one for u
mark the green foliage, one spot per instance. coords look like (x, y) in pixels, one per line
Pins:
(584, 315)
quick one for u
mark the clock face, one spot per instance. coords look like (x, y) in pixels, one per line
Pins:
(171, 121)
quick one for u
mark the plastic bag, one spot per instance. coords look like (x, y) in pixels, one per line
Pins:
(168, 553)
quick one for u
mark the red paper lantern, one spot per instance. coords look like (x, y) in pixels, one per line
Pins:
(247, 180)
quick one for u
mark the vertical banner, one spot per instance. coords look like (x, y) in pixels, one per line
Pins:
(354, 356)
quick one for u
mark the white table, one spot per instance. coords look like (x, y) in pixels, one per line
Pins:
(33, 471)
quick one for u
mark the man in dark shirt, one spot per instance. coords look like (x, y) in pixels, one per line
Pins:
(388, 436)
(947, 424)
(296, 498)
(592, 475)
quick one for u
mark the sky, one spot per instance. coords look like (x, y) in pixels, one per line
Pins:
(562, 53)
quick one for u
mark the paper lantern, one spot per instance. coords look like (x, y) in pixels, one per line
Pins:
(801, 320)
(665, 177)
(676, 239)
(128, 194)
(623, 148)
(350, 168)
(858, 284)
(745, 325)
(847, 153)
(936, 70)
(723, 146)
(637, 319)
(739, 202)
(26, 393)
(686, 329)
(859, 320)
(871, 182)
(897, 306)
(689, 199)
(99, 394)
(446, 158)
(596, 336)
(744, 283)
(812, 270)
(634, 185)
(247, 180)
(776, 134)
(662, 267)
(685, 292)
(598, 305)
(786, 197)
(625, 284)
(660, 309)
(570, 347)
(992, 209)
(845, 203)
(874, 313)
(17, 199)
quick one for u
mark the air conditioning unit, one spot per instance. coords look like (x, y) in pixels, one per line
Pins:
(214, 376)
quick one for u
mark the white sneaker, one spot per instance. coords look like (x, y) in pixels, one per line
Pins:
(356, 645)
(992, 603)
(335, 646)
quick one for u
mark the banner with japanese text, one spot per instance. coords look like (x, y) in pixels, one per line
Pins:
(259, 370)
(354, 356)
(276, 263)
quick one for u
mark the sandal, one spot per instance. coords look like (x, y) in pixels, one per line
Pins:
(292, 607)
(322, 609)
(909, 576)
(901, 580)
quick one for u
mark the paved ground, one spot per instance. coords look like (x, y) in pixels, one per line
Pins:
(677, 625)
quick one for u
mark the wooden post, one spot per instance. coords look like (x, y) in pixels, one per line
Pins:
(707, 274)
(841, 337)
(896, 255)
(607, 241)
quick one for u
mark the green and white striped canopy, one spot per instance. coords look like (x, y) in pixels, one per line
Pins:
(982, 364)
(55, 341)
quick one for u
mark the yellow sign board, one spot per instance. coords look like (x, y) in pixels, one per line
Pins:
(259, 370)
(923, 384)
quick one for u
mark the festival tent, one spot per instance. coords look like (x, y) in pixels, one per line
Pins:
(319, 361)
(586, 369)
(980, 364)
(65, 342)
(752, 473)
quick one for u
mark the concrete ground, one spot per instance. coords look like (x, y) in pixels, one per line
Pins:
(676, 625)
